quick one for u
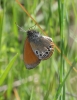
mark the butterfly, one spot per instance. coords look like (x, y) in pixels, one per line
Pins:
(36, 48)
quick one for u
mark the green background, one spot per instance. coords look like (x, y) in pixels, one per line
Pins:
(40, 83)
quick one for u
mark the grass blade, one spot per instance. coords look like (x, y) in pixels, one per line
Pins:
(2, 78)
(61, 85)
(31, 94)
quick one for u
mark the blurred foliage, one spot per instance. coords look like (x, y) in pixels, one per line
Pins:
(35, 83)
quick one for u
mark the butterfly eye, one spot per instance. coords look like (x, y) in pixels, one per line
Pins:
(49, 49)
(44, 55)
(50, 46)
(40, 55)
(46, 52)
(37, 52)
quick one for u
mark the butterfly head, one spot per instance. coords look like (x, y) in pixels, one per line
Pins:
(32, 35)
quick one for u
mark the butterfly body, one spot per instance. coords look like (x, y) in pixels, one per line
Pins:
(37, 48)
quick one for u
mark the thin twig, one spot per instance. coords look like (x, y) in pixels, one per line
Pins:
(16, 94)
(17, 83)
(72, 95)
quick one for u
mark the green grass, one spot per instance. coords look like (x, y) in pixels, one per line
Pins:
(4, 75)
(54, 78)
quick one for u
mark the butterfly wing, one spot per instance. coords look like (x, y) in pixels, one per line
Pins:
(43, 47)
(30, 59)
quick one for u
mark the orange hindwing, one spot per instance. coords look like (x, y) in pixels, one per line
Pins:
(30, 59)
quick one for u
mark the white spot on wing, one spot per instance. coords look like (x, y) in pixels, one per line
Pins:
(46, 37)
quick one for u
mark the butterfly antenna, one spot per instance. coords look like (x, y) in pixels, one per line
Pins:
(32, 26)
(21, 29)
